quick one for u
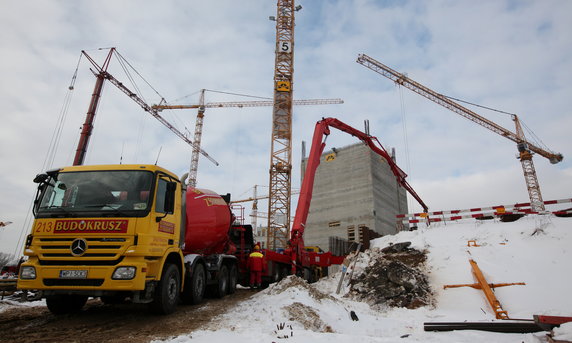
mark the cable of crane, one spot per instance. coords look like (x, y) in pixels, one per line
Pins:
(405, 139)
(56, 136)
(222, 92)
(123, 62)
(52, 150)
(246, 191)
(141, 76)
(238, 94)
(181, 98)
(535, 138)
(477, 105)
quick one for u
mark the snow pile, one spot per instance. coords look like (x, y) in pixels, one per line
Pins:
(564, 332)
(506, 252)
(308, 312)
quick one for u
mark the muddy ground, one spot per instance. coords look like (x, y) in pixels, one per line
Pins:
(110, 323)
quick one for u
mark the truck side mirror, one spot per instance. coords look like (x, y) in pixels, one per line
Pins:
(41, 178)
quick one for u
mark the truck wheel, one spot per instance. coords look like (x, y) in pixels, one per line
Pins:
(195, 286)
(232, 278)
(222, 287)
(65, 303)
(307, 275)
(284, 271)
(276, 273)
(167, 292)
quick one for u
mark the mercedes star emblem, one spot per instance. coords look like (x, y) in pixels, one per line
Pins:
(78, 247)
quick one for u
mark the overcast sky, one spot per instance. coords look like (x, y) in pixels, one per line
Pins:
(511, 55)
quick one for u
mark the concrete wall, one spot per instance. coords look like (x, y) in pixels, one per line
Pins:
(354, 188)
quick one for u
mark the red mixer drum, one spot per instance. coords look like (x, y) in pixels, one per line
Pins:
(208, 222)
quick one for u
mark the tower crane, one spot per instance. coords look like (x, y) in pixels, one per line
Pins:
(101, 75)
(201, 106)
(281, 142)
(525, 148)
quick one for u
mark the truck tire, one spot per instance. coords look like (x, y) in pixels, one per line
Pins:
(167, 291)
(222, 287)
(65, 303)
(275, 273)
(284, 271)
(232, 278)
(195, 285)
(307, 275)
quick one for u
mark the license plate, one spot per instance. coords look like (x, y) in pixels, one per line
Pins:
(73, 274)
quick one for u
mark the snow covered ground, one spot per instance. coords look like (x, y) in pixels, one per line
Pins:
(8, 303)
(508, 252)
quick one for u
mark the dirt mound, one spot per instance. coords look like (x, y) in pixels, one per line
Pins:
(308, 317)
(295, 281)
(395, 276)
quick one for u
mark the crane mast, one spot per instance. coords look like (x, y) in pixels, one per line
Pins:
(192, 180)
(87, 127)
(281, 142)
(525, 148)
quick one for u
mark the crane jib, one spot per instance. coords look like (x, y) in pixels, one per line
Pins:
(444, 101)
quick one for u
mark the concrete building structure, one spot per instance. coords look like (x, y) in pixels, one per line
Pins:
(354, 188)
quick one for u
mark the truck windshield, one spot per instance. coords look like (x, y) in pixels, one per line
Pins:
(93, 193)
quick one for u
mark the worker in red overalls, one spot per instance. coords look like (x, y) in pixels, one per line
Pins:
(256, 266)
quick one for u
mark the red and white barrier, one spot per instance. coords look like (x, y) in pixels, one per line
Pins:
(481, 209)
(439, 216)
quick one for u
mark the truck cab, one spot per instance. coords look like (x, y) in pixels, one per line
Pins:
(109, 231)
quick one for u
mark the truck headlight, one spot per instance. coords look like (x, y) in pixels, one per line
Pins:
(28, 273)
(124, 273)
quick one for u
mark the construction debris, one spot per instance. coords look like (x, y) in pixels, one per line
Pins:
(395, 276)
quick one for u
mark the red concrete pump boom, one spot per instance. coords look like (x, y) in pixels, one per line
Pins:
(322, 130)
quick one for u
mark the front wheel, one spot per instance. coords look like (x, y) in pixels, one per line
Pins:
(167, 292)
(65, 303)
